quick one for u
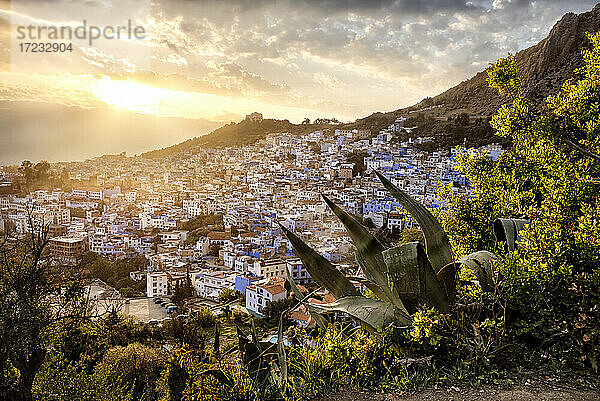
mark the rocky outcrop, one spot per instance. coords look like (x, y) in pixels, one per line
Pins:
(543, 67)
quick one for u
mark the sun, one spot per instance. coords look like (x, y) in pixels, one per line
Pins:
(128, 95)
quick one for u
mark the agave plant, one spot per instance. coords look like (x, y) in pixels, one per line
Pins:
(401, 278)
(267, 376)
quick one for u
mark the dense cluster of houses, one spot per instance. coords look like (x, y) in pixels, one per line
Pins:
(120, 207)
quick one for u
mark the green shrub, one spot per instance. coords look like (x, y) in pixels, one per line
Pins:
(135, 367)
(550, 282)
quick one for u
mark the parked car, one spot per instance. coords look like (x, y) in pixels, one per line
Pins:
(171, 309)
(153, 321)
(157, 300)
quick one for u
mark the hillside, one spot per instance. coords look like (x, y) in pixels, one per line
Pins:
(543, 68)
(242, 133)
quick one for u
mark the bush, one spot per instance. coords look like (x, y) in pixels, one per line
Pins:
(136, 367)
(64, 380)
(204, 317)
(228, 294)
(550, 282)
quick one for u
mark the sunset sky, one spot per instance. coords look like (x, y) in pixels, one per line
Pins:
(215, 61)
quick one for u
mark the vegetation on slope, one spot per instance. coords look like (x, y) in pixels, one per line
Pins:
(236, 134)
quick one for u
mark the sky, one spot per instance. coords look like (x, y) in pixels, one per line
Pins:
(202, 64)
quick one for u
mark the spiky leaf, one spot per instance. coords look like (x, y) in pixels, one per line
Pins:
(319, 320)
(507, 231)
(254, 333)
(253, 357)
(368, 254)
(281, 356)
(374, 287)
(320, 269)
(436, 241)
(217, 339)
(481, 264)
(447, 276)
(412, 275)
(375, 313)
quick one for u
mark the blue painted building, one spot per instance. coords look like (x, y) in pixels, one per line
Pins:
(241, 282)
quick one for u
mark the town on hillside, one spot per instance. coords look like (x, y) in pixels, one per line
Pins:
(209, 221)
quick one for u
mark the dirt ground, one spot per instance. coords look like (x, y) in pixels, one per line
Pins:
(533, 392)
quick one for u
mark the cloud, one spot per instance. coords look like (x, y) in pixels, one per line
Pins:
(418, 47)
(347, 58)
(327, 80)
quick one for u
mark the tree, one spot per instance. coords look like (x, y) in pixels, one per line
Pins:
(128, 292)
(462, 119)
(182, 291)
(411, 235)
(103, 269)
(228, 294)
(35, 175)
(274, 309)
(550, 177)
(42, 170)
(358, 158)
(28, 171)
(190, 331)
(368, 222)
(37, 297)
(135, 366)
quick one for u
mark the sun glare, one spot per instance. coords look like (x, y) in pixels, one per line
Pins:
(128, 95)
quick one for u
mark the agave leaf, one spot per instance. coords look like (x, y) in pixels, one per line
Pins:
(281, 356)
(368, 253)
(507, 231)
(447, 276)
(217, 342)
(412, 275)
(320, 269)
(481, 264)
(436, 241)
(254, 334)
(374, 287)
(319, 320)
(373, 312)
(252, 357)
(275, 374)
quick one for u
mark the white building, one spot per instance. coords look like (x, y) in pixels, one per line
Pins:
(210, 284)
(173, 236)
(202, 245)
(258, 295)
(243, 263)
(269, 268)
(157, 285)
(229, 259)
(299, 273)
(131, 196)
(197, 207)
